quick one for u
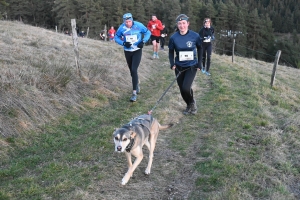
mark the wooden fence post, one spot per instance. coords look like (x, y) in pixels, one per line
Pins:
(75, 43)
(87, 32)
(233, 49)
(274, 67)
(105, 31)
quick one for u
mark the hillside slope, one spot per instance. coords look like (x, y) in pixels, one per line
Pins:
(39, 80)
(56, 128)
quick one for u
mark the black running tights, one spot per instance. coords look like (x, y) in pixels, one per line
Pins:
(207, 49)
(185, 81)
(133, 59)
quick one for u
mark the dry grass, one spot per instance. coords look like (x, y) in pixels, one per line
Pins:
(242, 144)
(38, 75)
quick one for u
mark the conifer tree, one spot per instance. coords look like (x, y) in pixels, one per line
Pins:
(173, 9)
(20, 10)
(139, 12)
(89, 16)
(3, 2)
(65, 10)
(191, 8)
(253, 29)
(222, 29)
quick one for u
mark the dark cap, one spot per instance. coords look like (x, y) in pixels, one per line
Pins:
(182, 17)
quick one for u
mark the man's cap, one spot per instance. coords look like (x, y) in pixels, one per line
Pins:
(182, 17)
(127, 16)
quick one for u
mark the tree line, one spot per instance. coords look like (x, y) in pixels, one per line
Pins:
(253, 24)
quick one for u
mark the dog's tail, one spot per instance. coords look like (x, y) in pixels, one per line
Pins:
(163, 127)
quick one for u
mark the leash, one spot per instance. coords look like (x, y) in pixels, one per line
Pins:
(150, 111)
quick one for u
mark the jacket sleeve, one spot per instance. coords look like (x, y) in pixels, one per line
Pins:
(201, 34)
(199, 52)
(159, 25)
(146, 33)
(119, 35)
(171, 53)
(212, 33)
(149, 25)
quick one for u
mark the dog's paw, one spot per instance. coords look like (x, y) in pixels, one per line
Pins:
(147, 171)
(126, 178)
(124, 182)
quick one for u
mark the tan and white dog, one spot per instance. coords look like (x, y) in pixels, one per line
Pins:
(131, 138)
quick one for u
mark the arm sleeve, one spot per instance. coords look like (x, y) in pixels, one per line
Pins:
(159, 26)
(146, 33)
(118, 37)
(200, 53)
(201, 34)
(171, 57)
(149, 26)
(212, 33)
(171, 53)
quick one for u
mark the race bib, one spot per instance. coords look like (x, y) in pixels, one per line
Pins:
(206, 40)
(186, 55)
(112, 34)
(163, 35)
(131, 38)
(154, 26)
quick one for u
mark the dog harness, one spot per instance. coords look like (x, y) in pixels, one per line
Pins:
(130, 145)
(145, 121)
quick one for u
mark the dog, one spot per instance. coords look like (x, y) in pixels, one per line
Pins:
(131, 137)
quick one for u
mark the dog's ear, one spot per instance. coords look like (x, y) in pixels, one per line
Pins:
(115, 130)
(132, 134)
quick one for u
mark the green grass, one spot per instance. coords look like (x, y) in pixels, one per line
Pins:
(243, 143)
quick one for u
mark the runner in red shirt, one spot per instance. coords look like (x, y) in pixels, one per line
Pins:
(155, 26)
(111, 34)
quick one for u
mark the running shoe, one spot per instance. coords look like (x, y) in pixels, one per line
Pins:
(133, 98)
(138, 89)
(207, 73)
(154, 56)
(157, 56)
(187, 110)
(194, 108)
(203, 70)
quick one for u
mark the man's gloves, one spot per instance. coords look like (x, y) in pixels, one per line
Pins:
(140, 45)
(127, 44)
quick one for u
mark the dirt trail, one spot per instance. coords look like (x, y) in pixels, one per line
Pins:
(172, 175)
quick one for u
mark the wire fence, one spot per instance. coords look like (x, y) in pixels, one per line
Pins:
(248, 48)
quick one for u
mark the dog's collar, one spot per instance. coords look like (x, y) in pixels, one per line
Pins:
(130, 145)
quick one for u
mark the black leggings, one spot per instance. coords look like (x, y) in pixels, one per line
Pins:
(185, 81)
(206, 48)
(133, 59)
(162, 42)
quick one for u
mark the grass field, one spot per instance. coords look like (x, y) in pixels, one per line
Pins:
(56, 128)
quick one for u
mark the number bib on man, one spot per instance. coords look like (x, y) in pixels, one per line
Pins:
(186, 55)
(131, 38)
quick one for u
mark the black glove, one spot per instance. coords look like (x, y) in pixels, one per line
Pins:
(140, 45)
(199, 66)
(127, 44)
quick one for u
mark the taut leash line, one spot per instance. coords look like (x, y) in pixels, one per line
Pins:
(150, 111)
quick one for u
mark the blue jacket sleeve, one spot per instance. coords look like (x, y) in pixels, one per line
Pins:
(147, 35)
(119, 35)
